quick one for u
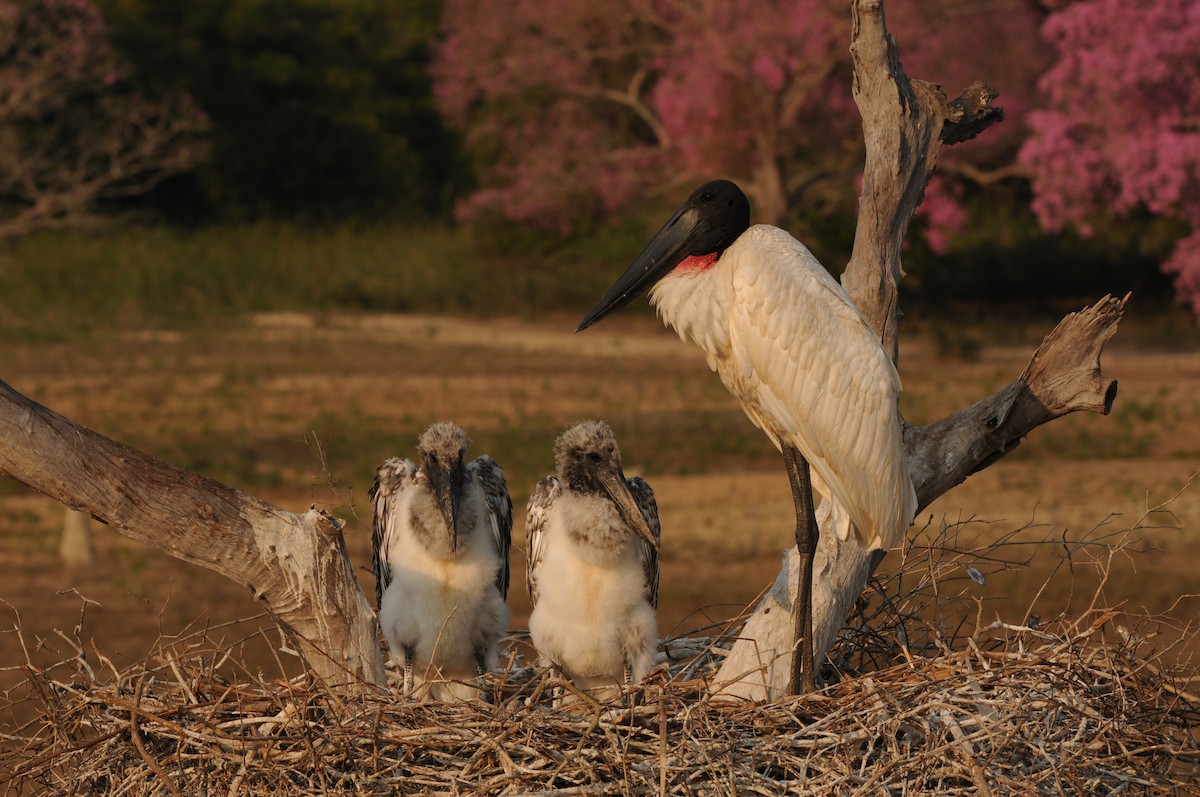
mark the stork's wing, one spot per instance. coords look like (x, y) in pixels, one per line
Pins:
(495, 492)
(391, 480)
(644, 496)
(814, 373)
(537, 515)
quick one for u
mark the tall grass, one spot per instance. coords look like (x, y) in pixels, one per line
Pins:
(66, 285)
(62, 284)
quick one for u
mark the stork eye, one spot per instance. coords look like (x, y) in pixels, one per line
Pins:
(594, 456)
(708, 197)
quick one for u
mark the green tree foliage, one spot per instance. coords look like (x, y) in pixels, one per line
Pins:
(318, 108)
(79, 140)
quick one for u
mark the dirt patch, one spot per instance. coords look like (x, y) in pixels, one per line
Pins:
(241, 404)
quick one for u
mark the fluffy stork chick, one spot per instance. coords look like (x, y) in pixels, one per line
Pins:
(441, 534)
(593, 563)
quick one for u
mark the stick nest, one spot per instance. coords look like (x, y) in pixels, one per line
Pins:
(1088, 705)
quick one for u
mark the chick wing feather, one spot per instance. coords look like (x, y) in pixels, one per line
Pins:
(537, 515)
(393, 478)
(643, 495)
(499, 504)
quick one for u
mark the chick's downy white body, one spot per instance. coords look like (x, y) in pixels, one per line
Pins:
(442, 597)
(593, 572)
(593, 617)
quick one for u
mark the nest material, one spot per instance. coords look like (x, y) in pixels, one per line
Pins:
(1018, 710)
(924, 699)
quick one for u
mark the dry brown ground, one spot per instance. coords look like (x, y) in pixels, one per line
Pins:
(241, 403)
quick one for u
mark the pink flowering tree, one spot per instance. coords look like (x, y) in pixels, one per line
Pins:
(950, 42)
(574, 108)
(74, 134)
(1121, 128)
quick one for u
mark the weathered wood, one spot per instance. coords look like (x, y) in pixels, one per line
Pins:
(297, 566)
(75, 545)
(905, 123)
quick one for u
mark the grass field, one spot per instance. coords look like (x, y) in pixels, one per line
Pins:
(72, 286)
(300, 409)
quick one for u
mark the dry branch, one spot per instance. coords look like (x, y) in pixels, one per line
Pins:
(905, 123)
(296, 565)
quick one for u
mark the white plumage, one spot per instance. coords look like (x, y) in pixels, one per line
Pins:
(786, 341)
(593, 563)
(441, 535)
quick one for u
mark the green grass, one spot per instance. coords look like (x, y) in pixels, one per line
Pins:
(64, 285)
(70, 285)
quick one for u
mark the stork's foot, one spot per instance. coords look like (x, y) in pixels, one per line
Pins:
(557, 692)
(484, 685)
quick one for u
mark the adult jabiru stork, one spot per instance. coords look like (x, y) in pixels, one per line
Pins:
(786, 341)
(593, 563)
(440, 538)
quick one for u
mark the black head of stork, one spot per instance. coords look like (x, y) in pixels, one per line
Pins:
(443, 448)
(712, 218)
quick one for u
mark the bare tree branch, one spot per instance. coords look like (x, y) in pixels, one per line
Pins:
(970, 113)
(631, 98)
(984, 177)
(905, 123)
(296, 565)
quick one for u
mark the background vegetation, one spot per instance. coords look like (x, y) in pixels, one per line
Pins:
(360, 154)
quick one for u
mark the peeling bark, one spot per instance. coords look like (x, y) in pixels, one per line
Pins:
(297, 566)
(905, 123)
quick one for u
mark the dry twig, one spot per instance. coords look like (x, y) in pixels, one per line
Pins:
(928, 701)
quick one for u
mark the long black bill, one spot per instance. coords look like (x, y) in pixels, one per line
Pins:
(618, 490)
(447, 486)
(664, 252)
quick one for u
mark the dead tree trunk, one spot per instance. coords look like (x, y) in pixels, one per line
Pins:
(75, 545)
(297, 566)
(905, 123)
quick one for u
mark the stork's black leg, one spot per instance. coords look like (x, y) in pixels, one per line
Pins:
(481, 669)
(807, 533)
(480, 662)
(410, 653)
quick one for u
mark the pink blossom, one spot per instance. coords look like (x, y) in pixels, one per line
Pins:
(578, 107)
(1184, 263)
(954, 44)
(944, 215)
(1120, 130)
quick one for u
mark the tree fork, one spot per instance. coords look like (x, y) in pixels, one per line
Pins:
(905, 123)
